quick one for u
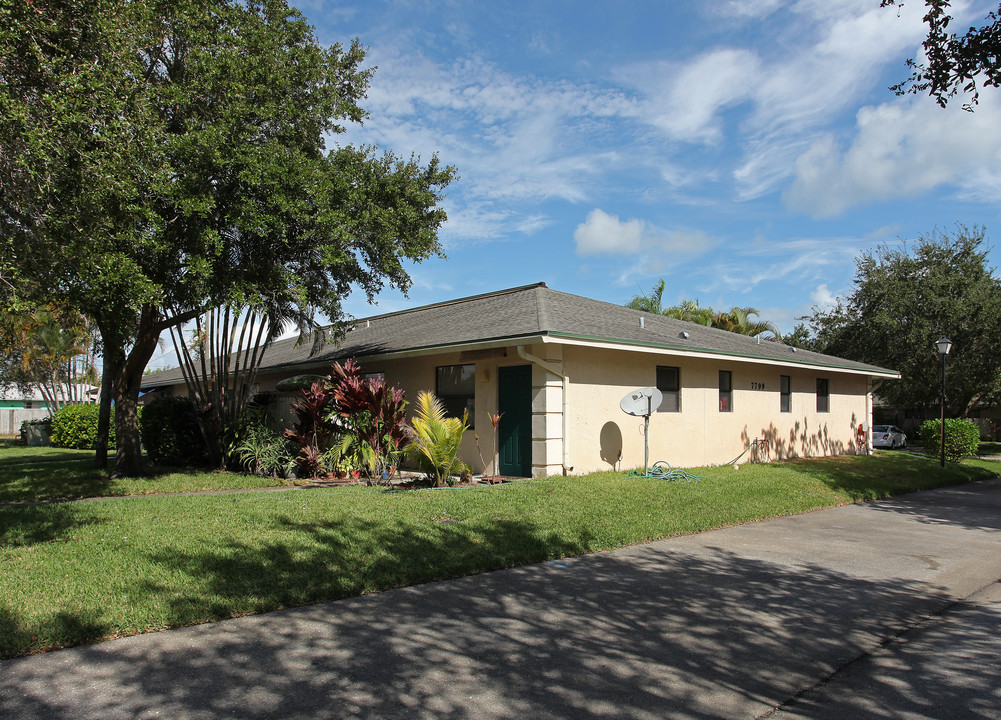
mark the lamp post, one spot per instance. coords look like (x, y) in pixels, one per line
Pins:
(943, 346)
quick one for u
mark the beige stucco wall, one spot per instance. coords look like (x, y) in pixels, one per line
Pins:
(602, 436)
(415, 374)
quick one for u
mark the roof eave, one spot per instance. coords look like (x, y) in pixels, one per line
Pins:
(683, 351)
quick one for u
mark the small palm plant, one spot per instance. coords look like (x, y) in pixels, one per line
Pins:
(435, 438)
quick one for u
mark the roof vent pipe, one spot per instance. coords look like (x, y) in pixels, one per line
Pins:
(642, 322)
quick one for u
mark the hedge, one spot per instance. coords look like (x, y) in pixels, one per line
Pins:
(962, 438)
(170, 432)
(75, 426)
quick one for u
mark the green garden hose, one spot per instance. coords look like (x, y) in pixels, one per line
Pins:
(664, 471)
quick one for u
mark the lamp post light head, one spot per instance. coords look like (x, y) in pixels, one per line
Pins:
(943, 346)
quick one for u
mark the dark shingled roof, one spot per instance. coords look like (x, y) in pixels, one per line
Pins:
(524, 314)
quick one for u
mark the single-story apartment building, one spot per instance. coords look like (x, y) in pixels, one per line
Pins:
(557, 366)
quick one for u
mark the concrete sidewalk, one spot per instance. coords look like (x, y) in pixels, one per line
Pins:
(886, 609)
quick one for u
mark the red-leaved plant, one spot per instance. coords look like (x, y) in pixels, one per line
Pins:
(371, 416)
(312, 433)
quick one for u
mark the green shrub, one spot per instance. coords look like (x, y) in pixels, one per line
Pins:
(170, 432)
(75, 426)
(264, 452)
(962, 438)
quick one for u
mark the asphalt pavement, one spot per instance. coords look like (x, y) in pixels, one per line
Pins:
(888, 609)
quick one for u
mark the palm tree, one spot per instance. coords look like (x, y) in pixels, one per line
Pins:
(435, 438)
(738, 320)
(691, 311)
(651, 303)
(53, 349)
(735, 320)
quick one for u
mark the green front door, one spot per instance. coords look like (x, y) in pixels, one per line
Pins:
(514, 399)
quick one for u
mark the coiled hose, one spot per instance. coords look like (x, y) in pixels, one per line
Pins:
(664, 471)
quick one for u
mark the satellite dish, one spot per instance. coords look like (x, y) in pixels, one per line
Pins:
(299, 382)
(642, 403)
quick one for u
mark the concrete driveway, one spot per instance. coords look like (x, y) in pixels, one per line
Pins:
(889, 609)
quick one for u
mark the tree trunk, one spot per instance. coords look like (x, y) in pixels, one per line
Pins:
(970, 404)
(114, 359)
(128, 460)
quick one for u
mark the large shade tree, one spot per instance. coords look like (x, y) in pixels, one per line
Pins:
(166, 157)
(903, 300)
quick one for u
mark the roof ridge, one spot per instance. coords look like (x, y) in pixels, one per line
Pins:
(446, 303)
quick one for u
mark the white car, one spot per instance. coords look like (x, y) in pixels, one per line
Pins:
(888, 436)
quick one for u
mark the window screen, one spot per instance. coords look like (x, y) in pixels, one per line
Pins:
(669, 384)
(725, 391)
(823, 395)
(455, 386)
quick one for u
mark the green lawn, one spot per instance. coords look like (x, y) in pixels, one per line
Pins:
(30, 474)
(79, 572)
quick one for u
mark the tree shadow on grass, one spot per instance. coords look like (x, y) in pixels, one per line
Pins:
(885, 475)
(343, 558)
(32, 525)
(53, 477)
(48, 478)
(19, 638)
(665, 630)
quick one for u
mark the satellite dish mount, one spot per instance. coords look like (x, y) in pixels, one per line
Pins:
(643, 403)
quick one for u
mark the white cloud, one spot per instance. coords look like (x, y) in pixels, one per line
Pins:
(825, 57)
(482, 221)
(903, 149)
(512, 137)
(684, 100)
(798, 260)
(823, 298)
(602, 234)
(743, 8)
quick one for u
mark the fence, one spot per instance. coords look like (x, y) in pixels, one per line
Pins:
(11, 418)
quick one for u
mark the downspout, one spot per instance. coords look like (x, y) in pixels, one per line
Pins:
(549, 367)
(870, 401)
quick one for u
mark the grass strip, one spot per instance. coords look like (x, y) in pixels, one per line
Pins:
(73, 573)
(44, 474)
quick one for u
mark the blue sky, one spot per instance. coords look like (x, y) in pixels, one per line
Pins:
(745, 152)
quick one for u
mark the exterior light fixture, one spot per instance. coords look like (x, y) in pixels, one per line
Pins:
(943, 346)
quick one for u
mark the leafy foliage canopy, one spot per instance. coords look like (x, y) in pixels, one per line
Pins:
(903, 300)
